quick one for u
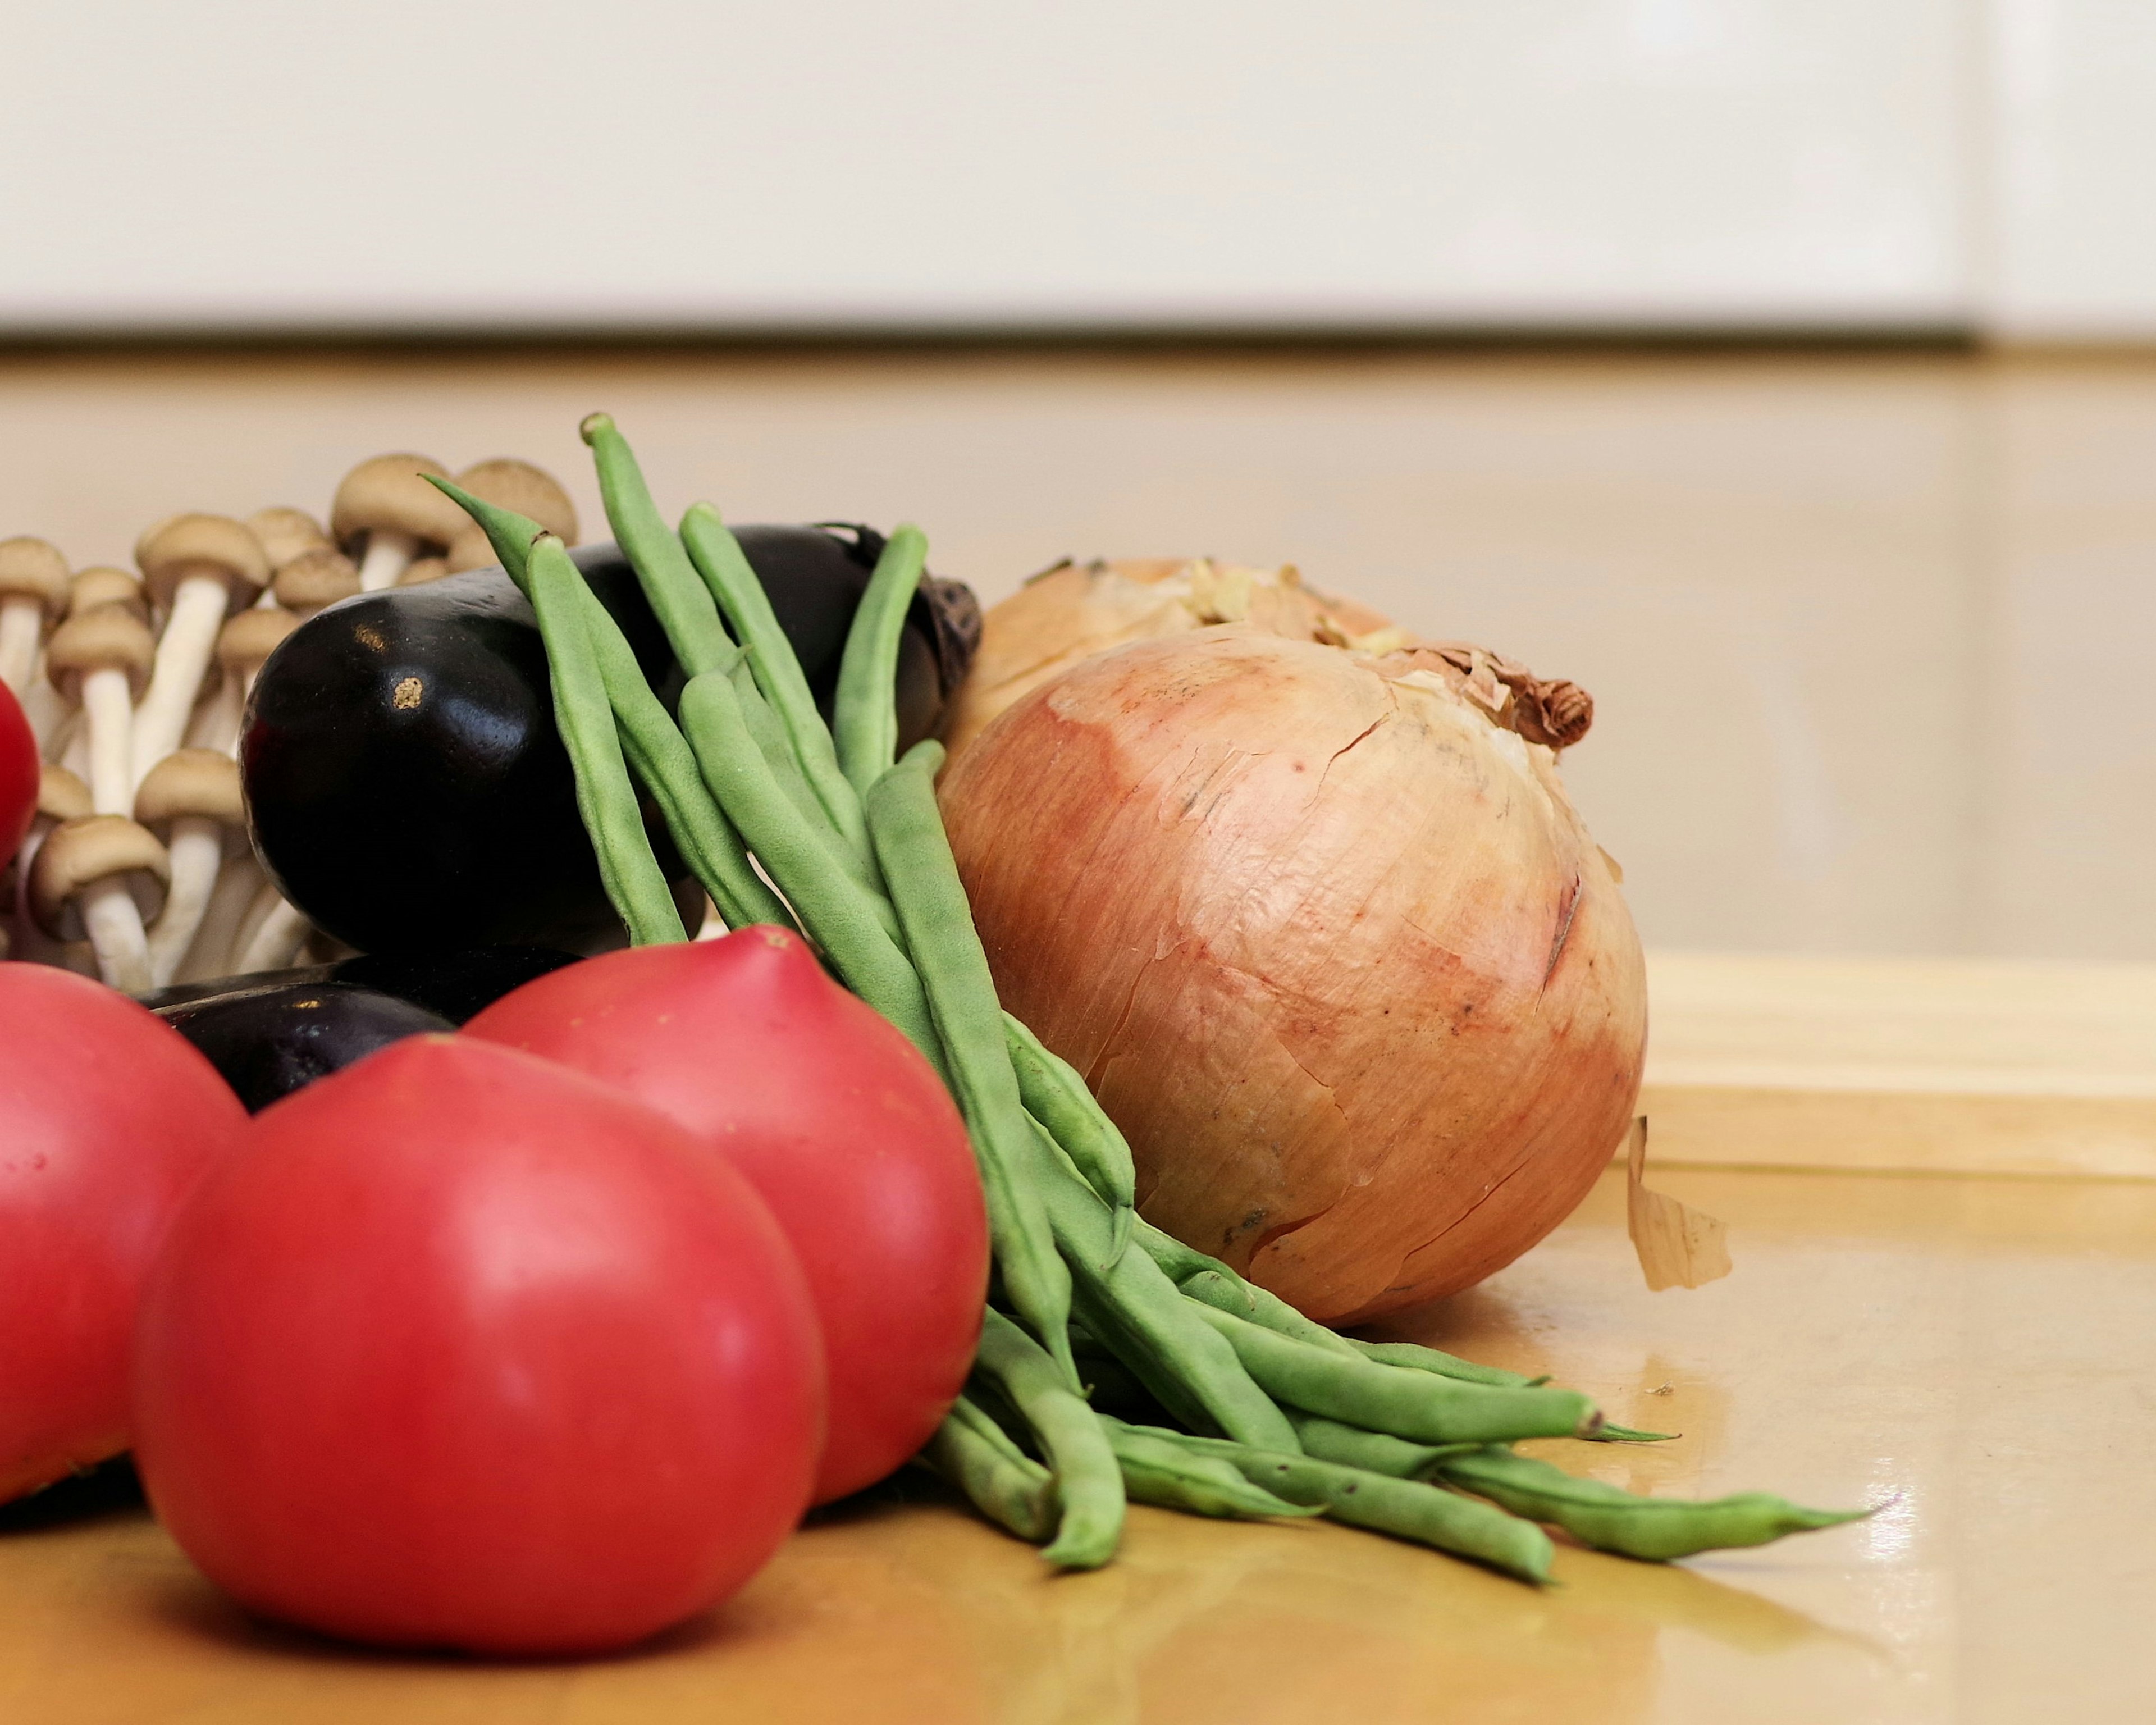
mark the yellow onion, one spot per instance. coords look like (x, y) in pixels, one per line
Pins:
(1325, 936)
(1072, 611)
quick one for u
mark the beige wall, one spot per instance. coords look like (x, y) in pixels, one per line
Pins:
(1870, 636)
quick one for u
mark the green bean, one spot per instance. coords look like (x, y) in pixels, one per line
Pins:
(1608, 1519)
(679, 599)
(1414, 1357)
(1162, 1376)
(1056, 1096)
(1373, 1452)
(1610, 1434)
(605, 798)
(667, 765)
(719, 559)
(1218, 1286)
(654, 743)
(838, 915)
(1109, 1384)
(772, 741)
(1417, 1405)
(1405, 1508)
(1007, 1486)
(1170, 1476)
(910, 843)
(977, 1410)
(1224, 1290)
(509, 534)
(1127, 1300)
(864, 726)
(1088, 1481)
(690, 616)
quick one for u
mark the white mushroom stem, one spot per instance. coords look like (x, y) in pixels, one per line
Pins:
(210, 954)
(114, 923)
(276, 937)
(107, 715)
(183, 655)
(215, 722)
(197, 851)
(22, 631)
(50, 713)
(389, 553)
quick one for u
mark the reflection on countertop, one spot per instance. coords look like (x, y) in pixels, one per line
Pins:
(1971, 1355)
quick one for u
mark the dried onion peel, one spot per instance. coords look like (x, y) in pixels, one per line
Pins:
(1325, 936)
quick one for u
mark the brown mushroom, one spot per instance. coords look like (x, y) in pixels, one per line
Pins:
(201, 569)
(314, 579)
(101, 878)
(106, 586)
(33, 592)
(287, 534)
(386, 515)
(102, 662)
(191, 800)
(242, 646)
(422, 570)
(61, 796)
(471, 549)
(510, 484)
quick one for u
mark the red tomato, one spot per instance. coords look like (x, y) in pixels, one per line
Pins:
(19, 774)
(107, 1120)
(841, 1126)
(463, 1349)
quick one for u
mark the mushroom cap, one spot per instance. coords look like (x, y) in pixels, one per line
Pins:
(36, 568)
(190, 544)
(287, 533)
(316, 578)
(150, 533)
(92, 848)
(200, 781)
(388, 494)
(105, 637)
(507, 483)
(251, 637)
(107, 586)
(422, 570)
(471, 549)
(62, 795)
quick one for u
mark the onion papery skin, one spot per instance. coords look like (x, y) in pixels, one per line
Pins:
(1331, 947)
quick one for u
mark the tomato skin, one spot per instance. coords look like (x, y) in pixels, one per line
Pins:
(19, 774)
(107, 1120)
(837, 1122)
(461, 1349)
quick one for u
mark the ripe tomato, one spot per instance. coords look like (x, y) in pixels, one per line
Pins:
(19, 774)
(462, 1349)
(107, 1119)
(841, 1126)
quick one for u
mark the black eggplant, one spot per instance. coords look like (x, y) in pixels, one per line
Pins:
(269, 1041)
(406, 788)
(456, 984)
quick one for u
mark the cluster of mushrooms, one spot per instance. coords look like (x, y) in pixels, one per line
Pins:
(138, 869)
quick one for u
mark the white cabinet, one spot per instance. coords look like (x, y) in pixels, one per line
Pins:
(713, 164)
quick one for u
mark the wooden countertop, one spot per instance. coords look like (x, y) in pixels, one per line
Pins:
(1971, 1349)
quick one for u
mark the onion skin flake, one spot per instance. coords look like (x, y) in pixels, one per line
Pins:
(1329, 942)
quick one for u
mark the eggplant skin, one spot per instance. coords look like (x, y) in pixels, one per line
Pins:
(268, 1041)
(405, 785)
(456, 984)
